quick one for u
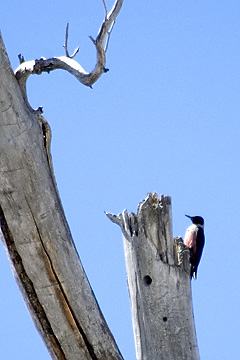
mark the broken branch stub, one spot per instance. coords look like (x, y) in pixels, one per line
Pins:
(158, 273)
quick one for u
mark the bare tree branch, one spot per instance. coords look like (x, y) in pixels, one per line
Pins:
(66, 41)
(105, 7)
(66, 62)
(108, 36)
(66, 45)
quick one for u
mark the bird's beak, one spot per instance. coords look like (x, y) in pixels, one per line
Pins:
(188, 216)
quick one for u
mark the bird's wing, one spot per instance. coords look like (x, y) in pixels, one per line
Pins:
(200, 245)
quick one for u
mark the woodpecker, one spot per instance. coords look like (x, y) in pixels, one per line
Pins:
(194, 239)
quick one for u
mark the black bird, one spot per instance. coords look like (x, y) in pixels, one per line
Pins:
(194, 239)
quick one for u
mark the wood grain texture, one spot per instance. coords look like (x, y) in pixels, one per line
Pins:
(158, 272)
(37, 237)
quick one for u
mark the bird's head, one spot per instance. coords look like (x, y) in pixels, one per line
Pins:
(197, 220)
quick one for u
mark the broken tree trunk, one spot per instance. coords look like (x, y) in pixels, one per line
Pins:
(37, 238)
(158, 273)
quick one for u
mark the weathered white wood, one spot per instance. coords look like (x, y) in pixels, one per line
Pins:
(37, 238)
(158, 273)
(67, 63)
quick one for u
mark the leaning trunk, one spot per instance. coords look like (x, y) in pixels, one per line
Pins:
(37, 238)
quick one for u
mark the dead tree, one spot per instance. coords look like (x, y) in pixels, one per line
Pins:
(158, 272)
(35, 232)
(42, 253)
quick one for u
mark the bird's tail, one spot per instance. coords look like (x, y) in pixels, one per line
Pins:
(193, 272)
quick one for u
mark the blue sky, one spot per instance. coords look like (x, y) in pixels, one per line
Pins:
(165, 118)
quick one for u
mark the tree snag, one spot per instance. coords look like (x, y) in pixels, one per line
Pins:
(38, 241)
(34, 229)
(158, 272)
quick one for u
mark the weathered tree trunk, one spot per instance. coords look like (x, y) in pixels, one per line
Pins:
(159, 283)
(41, 250)
(37, 238)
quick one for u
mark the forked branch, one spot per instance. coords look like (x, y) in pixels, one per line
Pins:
(26, 68)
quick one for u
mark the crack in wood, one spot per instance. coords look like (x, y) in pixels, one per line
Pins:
(87, 343)
(29, 288)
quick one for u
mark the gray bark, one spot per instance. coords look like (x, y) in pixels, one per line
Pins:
(44, 259)
(37, 238)
(158, 273)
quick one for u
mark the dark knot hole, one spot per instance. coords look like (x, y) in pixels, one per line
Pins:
(147, 280)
